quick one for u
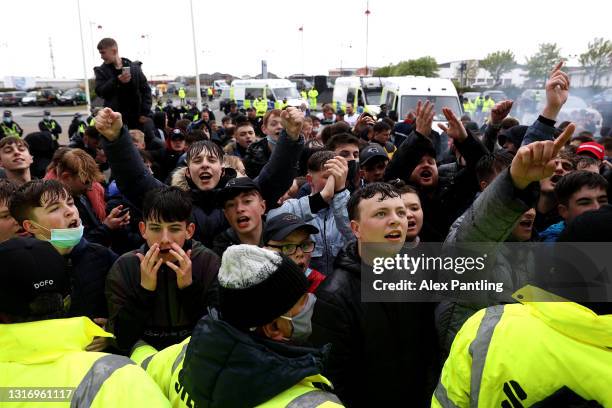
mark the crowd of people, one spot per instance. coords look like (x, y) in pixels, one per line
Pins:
(163, 259)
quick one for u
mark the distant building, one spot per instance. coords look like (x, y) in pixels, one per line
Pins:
(363, 71)
(24, 83)
(475, 76)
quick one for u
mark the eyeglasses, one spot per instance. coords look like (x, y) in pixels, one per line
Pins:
(289, 249)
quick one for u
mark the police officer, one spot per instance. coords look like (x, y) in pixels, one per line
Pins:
(250, 352)
(42, 350)
(48, 124)
(8, 127)
(77, 127)
(312, 97)
(182, 95)
(261, 106)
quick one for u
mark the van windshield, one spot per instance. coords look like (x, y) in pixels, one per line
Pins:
(289, 93)
(409, 102)
(373, 96)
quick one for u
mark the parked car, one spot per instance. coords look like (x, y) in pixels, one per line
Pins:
(72, 97)
(497, 96)
(13, 98)
(575, 110)
(47, 97)
(29, 99)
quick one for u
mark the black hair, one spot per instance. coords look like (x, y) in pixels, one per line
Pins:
(381, 127)
(159, 120)
(574, 181)
(207, 146)
(402, 187)
(31, 195)
(318, 159)
(92, 131)
(167, 204)
(586, 161)
(7, 189)
(492, 164)
(341, 139)
(385, 190)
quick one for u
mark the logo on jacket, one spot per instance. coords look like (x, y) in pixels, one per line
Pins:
(514, 392)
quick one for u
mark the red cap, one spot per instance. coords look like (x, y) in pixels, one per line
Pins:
(592, 148)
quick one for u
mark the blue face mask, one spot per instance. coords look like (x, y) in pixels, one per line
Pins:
(302, 322)
(271, 141)
(7, 119)
(65, 238)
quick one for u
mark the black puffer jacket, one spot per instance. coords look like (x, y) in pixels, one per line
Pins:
(383, 354)
(132, 99)
(225, 367)
(256, 157)
(134, 181)
(88, 265)
(452, 196)
(228, 238)
(167, 315)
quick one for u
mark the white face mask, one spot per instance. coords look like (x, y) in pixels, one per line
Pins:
(47, 117)
(302, 322)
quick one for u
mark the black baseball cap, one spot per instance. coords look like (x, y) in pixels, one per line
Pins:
(370, 151)
(30, 268)
(7, 113)
(278, 227)
(46, 112)
(177, 134)
(234, 187)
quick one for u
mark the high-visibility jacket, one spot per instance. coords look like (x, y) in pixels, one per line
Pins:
(209, 92)
(261, 106)
(13, 130)
(164, 367)
(181, 93)
(487, 105)
(524, 353)
(303, 94)
(312, 97)
(469, 107)
(51, 353)
(478, 103)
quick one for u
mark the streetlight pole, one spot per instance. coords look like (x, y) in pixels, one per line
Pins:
(88, 98)
(367, 13)
(195, 57)
(302, 40)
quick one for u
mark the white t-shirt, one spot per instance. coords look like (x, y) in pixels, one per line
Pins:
(351, 119)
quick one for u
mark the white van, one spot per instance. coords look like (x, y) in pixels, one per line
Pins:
(363, 92)
(401, 94)
(270, 89)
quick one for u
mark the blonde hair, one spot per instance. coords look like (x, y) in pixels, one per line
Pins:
(235, 163)
(77, 162)
(137, 136)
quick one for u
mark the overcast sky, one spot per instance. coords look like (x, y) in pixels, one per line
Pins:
(234, 35)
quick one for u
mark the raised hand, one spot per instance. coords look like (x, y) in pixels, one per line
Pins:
(109, 124)
(338, 169)
(292, 119)
(454, 128)
(500, 111)
(149, 265)
(184, 276)
(424, 117)
(557, 91)
(535, 161)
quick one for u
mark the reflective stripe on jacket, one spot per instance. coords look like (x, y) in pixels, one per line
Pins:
(524, 353)
(51, 353)
(164, 367)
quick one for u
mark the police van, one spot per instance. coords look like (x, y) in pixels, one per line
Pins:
(401, 94)
(244, 91)
(362, 92)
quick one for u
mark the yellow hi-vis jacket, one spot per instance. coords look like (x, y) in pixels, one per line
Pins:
(50, 353)
(312, 96)
(487, 105)
(524, 353)
(164, 367)
(261, 107)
